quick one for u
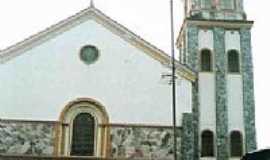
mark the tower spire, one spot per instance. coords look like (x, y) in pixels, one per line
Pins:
(92, 4)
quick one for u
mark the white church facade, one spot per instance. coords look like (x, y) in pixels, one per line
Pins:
(89, 87)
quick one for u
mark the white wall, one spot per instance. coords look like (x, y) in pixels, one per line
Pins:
(38, 84)
(207, 91)
(235, 103)
(232, 40)
(184, 99)
(207, 88)
(206, 39)
(207, 102)
(234, 87)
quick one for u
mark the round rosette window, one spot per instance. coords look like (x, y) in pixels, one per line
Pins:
(89, 54)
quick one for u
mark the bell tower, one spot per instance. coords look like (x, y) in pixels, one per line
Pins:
(215, 41)
(215, 9)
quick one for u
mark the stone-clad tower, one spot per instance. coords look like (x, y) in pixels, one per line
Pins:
(215, 41)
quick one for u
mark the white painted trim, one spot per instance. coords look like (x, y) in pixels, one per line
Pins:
(95, 14)
(69, 118)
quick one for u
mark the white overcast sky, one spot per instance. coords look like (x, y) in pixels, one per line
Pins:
(150, 20)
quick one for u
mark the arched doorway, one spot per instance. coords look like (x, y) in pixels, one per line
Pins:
(81, 133)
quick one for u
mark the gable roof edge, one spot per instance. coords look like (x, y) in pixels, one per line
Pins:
(40, 37)
(64, 25)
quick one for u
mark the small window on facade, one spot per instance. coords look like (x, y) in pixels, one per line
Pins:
(89, 54)
(236, 144)
(207, 144)
(206, 4)
(233, 62)
(83, 137)
(206, 60)
(227, 4)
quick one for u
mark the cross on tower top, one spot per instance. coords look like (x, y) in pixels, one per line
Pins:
(92, 4)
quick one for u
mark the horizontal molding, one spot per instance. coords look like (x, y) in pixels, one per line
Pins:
(136, 125)
(121, 125)
(28, 121)
(227, 24)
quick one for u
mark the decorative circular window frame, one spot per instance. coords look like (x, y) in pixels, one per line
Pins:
(81, 52)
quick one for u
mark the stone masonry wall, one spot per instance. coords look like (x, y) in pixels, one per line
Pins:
(142, 142)
(33, 138)
(221, 95)
(248, 87)
(26, 138)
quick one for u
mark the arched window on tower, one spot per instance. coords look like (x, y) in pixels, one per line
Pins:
(206, 60)
(83, 137)
(207, 144)
(236, 144)
(233, 61)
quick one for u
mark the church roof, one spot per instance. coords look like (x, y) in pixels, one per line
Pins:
(95, 14)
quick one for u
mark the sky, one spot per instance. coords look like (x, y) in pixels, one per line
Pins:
(150, 20)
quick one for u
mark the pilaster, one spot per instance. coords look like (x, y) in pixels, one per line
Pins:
(193, 61)
(196, 115)
(187, 136)
(192, 47)
(221, 95)
(248, 90)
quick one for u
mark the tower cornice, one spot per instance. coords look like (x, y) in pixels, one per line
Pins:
(226, 24)
(230, 24)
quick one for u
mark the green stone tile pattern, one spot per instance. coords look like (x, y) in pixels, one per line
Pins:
(26, 138)
(193, 61)
(196, 2)
(187, 136)
(221, 95)
(142, 142)
(196, 115)
(192, 47)
(248, 90)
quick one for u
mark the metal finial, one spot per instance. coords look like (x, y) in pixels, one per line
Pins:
(92, 4)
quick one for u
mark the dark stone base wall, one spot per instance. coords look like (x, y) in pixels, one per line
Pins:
(188, 134)
(142, 142)
(26, 138)
(62, 158)
(38, 139)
